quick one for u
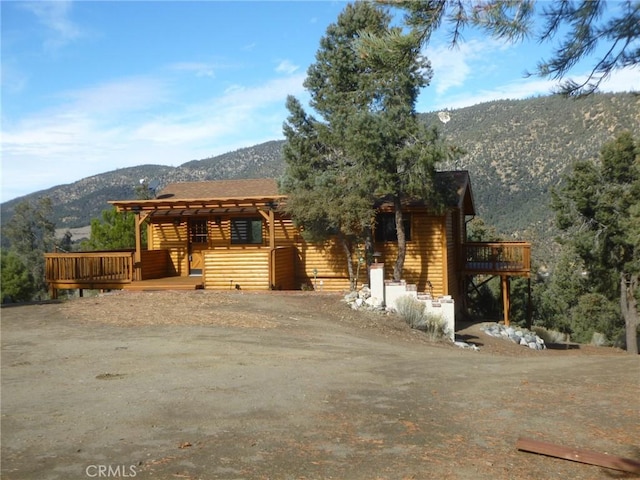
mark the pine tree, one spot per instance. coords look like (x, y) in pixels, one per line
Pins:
(598, 206)
(368, 144)
(584, 27)
(31, 234)
(115, 231)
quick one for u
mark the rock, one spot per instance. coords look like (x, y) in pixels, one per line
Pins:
(374, 302)
(520, 336)
(364, 293)
(466, 345)
(350, 297)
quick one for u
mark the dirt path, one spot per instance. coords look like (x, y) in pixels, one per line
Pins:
(211, 385)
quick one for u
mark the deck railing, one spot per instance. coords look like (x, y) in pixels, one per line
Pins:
(90, 270)
(497, 258)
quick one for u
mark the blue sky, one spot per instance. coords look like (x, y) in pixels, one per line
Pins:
(89, 87)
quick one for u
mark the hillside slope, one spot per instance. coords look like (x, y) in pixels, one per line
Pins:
(516, 151)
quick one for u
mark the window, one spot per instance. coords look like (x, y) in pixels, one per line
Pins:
(386, 227)
(198, 230)
(246, 230)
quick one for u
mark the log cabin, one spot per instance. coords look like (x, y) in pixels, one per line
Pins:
(232, 234)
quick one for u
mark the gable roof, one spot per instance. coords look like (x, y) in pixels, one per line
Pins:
(207, 196)
(455, 186)
(244, 188)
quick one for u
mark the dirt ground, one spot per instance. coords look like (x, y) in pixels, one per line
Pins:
(236, 385)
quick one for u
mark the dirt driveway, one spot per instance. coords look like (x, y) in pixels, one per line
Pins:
(233, 385)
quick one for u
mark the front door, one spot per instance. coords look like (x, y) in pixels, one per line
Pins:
(198, 242)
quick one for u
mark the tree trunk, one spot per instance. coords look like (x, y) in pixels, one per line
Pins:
(402, 239)
(368, 250)
(346, 248)
(629, 306)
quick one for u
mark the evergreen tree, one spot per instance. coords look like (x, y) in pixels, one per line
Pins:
(585, 27)
(17, 281)
(598, 206)
(369, 143)
(31, 234)
(115, 231)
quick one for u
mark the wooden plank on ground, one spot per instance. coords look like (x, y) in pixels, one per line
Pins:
(579, 455)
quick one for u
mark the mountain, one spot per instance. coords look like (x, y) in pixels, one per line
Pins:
(77, 203)
(516, 152)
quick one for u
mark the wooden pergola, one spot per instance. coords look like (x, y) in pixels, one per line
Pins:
(145, 209)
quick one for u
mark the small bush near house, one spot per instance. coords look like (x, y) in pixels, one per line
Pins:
(551, 336)
(412, 311)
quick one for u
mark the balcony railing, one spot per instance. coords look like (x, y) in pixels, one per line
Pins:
(90, 270)
(497, 258)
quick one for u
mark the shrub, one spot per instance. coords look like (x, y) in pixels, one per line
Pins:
(412, 311)
(595, 313)
(550, 336)
(17, 282)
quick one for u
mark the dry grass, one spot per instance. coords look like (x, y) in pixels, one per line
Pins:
(165, 308)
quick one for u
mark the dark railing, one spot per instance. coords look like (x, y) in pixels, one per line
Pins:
(497, 257)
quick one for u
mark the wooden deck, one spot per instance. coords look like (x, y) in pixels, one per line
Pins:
(497, 258)
(166, 283)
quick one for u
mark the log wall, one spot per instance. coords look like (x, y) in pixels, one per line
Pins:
(426, 257)
(320, 266)
(236, 268)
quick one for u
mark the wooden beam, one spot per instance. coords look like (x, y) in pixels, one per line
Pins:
(270, 217)
(272, 229)
(579, 455)
(137, 256)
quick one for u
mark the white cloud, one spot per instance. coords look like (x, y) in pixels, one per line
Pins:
(118, 96)
(55, 16)
(118, 124)
(13, 78)
(285, 66)
(626, 80)
(453, 66)
(200, 69)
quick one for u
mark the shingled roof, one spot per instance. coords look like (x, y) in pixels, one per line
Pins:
(244, 188)
(184, 197)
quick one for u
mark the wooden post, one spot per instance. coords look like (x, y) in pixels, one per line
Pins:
(270, 217)
(506, 299)
(529, 305)
(272, 229)
(137, 256)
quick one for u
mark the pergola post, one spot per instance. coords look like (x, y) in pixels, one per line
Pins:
(270, 217)
(137, 256)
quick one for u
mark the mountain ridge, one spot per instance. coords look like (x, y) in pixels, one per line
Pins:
(516, 152)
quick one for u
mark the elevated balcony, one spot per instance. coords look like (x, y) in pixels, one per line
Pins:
(497, 258)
